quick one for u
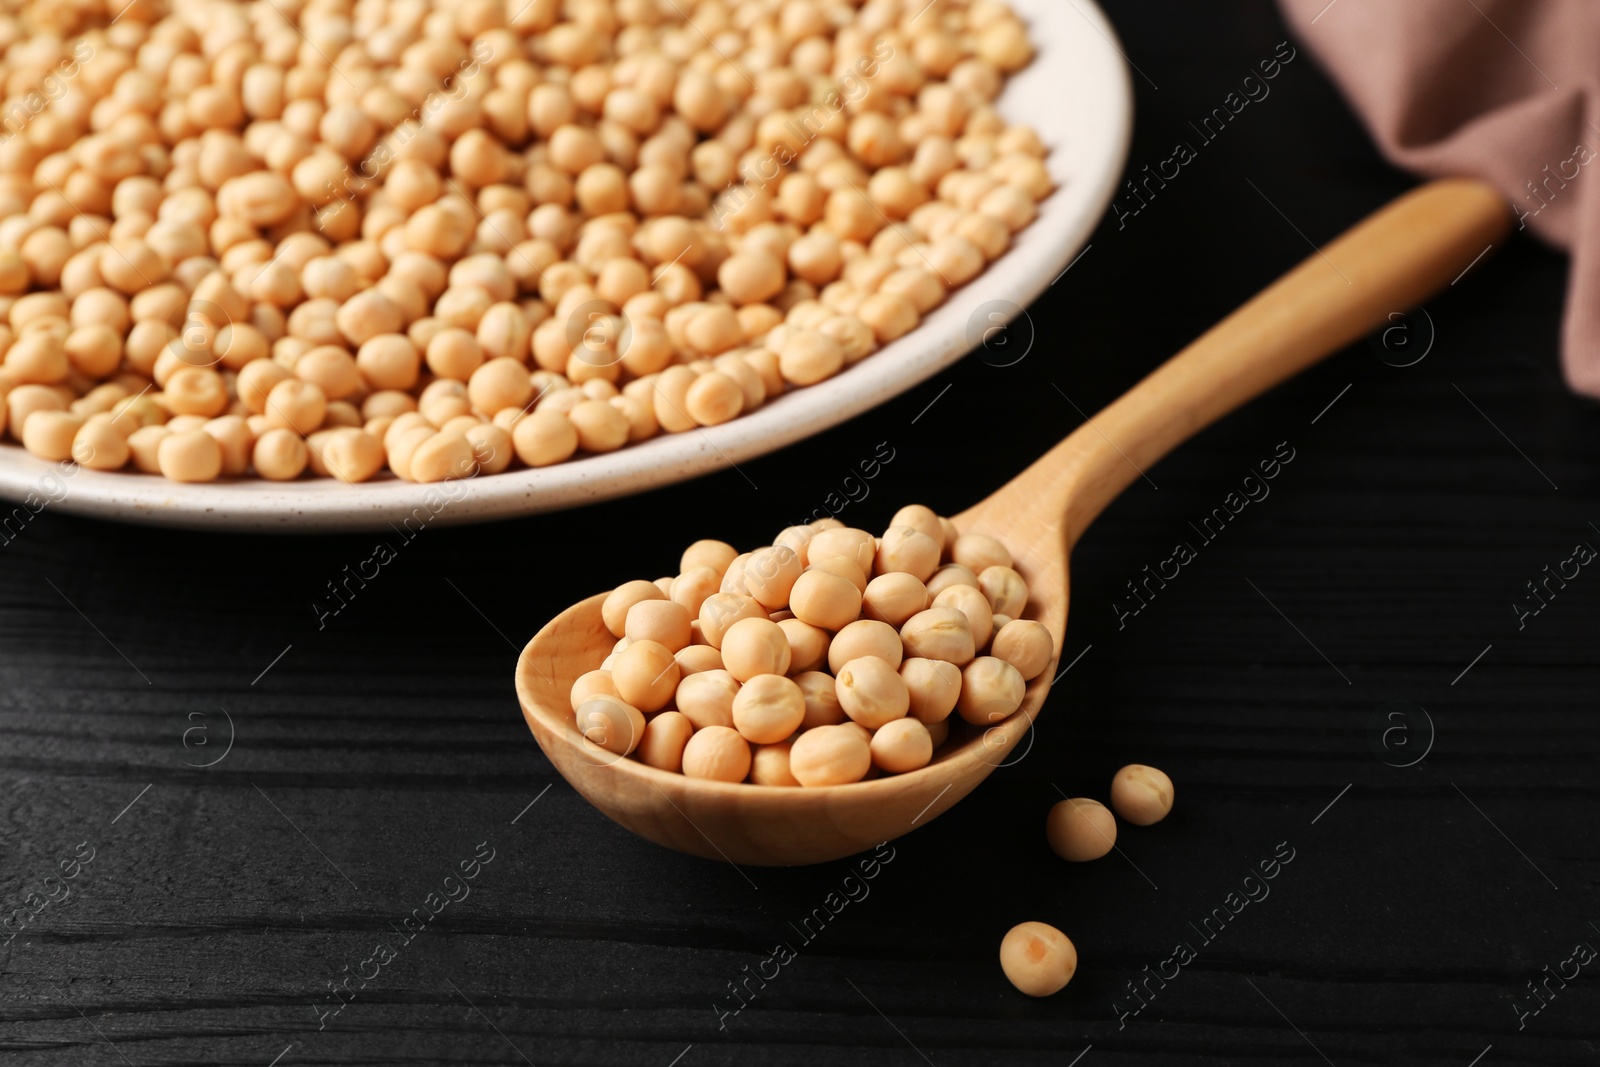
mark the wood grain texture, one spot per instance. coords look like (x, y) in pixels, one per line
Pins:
(381, 749)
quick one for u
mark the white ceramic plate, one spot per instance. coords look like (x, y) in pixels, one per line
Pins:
(1075, 94)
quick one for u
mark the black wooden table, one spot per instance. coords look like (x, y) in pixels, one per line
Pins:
(1341, 683)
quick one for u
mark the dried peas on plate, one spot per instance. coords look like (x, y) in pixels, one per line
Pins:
(539, 229)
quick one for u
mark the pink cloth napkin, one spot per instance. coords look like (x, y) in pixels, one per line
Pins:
(1503, 90)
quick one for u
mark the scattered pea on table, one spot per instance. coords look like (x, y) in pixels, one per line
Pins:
(1141, 795)
(1038, 959)
(1080, 829)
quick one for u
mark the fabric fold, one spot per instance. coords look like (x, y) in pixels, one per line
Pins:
(1507, 91)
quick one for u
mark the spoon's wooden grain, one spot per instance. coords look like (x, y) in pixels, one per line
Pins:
(1389, 262)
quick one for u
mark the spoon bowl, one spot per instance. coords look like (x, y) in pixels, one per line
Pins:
(772, 825)
(1389, 262)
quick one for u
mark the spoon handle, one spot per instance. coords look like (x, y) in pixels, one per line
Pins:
(1389, 262)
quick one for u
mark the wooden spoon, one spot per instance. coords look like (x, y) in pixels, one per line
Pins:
(1389, 262)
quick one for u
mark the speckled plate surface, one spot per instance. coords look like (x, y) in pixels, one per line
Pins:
(1076, 94)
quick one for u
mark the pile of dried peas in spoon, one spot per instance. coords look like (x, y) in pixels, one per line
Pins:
(826, 658)
(442, 239)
